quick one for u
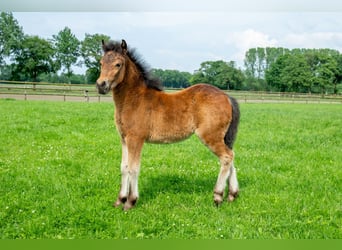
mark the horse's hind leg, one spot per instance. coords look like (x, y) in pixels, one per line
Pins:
(226, 156)
(233, 184)
(226, 160)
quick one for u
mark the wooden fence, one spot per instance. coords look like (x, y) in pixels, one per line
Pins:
(51, 91)
(88, 93)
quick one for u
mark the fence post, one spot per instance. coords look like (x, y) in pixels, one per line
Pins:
(25, 93)
(86, 96)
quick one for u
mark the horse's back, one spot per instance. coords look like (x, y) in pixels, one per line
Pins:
(208, 100)
(177, 115)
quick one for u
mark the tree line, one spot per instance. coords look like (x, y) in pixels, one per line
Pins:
(31, 58)
(299, 70)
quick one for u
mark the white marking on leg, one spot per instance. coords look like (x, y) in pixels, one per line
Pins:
(134, 155)
(134, 192)
(124, 157)
(124, 184)
(233, 184)
(222, 178)
(124, 189)
(124, 172)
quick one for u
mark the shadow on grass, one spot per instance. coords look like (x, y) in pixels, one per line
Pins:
(179, 186)
(172, 184)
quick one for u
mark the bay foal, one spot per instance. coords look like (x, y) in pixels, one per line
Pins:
(145, 113)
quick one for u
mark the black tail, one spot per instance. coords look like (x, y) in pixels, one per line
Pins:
(230, 136)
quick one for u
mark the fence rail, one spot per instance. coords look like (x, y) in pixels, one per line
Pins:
(88, 93)
(50, 91)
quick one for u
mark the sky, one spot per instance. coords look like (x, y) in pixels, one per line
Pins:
(183, 38)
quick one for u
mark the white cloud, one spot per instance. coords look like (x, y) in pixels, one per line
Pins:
(250, 38)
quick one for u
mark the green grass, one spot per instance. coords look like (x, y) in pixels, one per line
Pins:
(59, 174)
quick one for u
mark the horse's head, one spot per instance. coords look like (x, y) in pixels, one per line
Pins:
(112, 66)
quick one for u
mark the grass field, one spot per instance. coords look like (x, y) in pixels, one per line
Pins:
(59, 174)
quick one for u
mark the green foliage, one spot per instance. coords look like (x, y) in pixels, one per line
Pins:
(290, 73)
(62, 78)
(258, 60)
(67, 49)
(221, 74)
(92, 74)
(11, 35)
(91, 51)
(172, 78)
(304, 70)
(326, 69)
(338, 73)
(34, 57)
(60, 172)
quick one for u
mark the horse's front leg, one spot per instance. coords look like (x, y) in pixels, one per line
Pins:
(129, 186)
(123, 194)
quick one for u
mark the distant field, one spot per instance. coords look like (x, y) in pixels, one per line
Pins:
(59, 174)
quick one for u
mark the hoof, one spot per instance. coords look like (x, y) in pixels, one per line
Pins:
(129, 204)
(218, 198)
(232, 196)
(119, 201)
(127, 207)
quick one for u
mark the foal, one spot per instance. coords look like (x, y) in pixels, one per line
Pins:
(145, 113)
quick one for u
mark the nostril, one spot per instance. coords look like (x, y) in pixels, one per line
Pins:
(101, 84)
(102, 87)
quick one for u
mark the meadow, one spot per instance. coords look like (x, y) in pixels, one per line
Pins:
(60, 174)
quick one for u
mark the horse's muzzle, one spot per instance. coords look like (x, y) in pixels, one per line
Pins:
(102, 87)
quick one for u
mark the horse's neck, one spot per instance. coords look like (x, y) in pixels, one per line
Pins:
(131, 89)
(128, 92)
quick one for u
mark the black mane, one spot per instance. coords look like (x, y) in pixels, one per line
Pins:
(144, 69)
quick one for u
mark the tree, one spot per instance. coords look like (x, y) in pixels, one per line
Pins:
(91, 51)
(338, 72)
(274, 72)
(34, 57)
(11, 36)
(261, 62)
(307, 70)
(326, 71)
(67, 48)
(296, 73)
(173, 78)
(220, 74)
(290, 72)
(251, 62)
(257, 61)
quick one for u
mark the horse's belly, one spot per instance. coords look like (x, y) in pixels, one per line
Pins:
(169, 135)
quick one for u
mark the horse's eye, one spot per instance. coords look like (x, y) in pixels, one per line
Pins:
(118, 65)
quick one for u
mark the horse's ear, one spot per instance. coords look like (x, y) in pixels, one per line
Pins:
(103, 44)
(124, 46)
